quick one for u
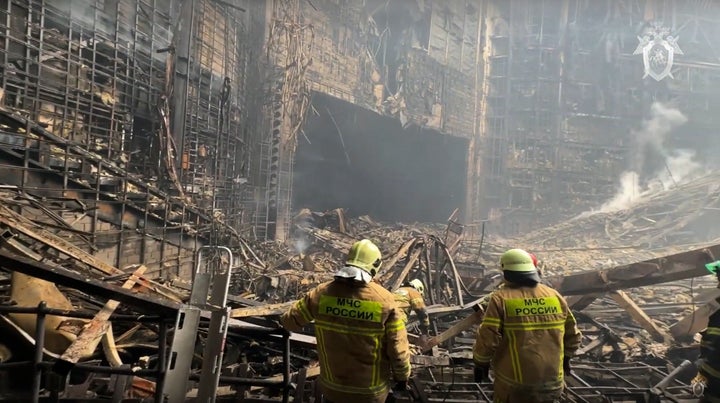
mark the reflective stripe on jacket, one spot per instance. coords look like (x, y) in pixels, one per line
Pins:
(409, 299)
(525, 333)
(361, 338)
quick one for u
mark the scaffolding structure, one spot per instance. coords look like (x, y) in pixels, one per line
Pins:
(552, 150)
(84, 103)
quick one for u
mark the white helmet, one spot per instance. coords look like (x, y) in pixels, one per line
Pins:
(418, 285)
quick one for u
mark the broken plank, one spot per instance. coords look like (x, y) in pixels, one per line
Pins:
(96, 328)
(242, 326)
(639, 316)
(61, 276)
(454, 330)
(409, 265)
(386, 269)
(679, 266)
(341, 220)
(697, 320)
(263, 310)
(12, 220)
(597, 343)
(110, 348)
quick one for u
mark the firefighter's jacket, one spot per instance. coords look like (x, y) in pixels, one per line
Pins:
(361, 338)
(710, 355)
(409, 299)
(525, 334)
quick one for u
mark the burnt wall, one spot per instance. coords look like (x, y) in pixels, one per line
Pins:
(86, 90)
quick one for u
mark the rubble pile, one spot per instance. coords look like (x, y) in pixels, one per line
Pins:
(657, 223)
(319, 244)
(268, 276)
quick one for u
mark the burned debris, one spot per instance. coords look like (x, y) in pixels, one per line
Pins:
(114, 349)
(176, 174)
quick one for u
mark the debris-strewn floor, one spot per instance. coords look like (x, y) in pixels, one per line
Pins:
(632, 316)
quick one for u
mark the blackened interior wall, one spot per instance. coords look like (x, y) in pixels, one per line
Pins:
(383, 170)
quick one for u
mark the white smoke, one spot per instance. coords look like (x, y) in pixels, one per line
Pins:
(628, 193)
(662, 121)
(301, 245)
(676, 165)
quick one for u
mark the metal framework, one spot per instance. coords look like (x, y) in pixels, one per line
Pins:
(540, 156)
(588, 382)
(85, 116)
(153, 310)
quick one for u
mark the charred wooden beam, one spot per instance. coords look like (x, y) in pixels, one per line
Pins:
(593, 345)
(95, 329)
(454, 330)
(453, 232)
(263, 310)
(239, 327)
(386, 269)
(409, 265)
(14, 221)
(653, 271)
(60, 276)
(639, 316)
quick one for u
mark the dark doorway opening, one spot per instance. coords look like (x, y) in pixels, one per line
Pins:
(353, 158)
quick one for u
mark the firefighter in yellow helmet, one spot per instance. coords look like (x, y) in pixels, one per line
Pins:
(361, 338)
(409, 298)
(528, 335)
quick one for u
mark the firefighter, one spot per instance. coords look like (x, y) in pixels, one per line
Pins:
(486, 299)
(707, 382)
(361, 336)
(528, 335)
(409, 298)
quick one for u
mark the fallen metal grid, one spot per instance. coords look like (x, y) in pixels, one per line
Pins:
(589, 382)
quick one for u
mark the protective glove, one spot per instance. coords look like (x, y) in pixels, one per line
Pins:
(567, 367)
(698, 385)
(482, 373)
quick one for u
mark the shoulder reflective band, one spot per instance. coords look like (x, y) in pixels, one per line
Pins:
(351, 308)
(532, 306)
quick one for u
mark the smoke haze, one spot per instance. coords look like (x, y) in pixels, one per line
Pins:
(654, 168)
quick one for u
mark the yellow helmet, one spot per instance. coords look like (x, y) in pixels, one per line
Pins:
(418, 285)
(517, 260)
(365, 255)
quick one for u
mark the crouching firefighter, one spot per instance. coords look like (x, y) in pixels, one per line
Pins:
(410, 297)
(706, 384)
(361, 337)
(528, 335)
